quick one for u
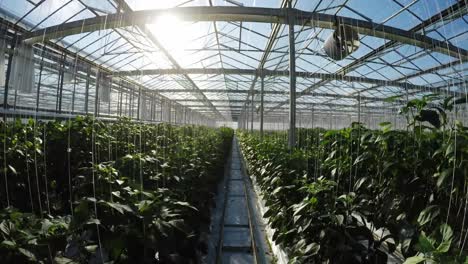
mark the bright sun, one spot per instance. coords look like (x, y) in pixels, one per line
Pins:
(171, 32)
(179, 37)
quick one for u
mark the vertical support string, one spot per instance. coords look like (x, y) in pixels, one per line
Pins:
(292, 82)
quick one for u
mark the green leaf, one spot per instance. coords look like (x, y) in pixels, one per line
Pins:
(91, 248)
(276, 234)
(12, 169)
(359, 183)
(312, 249)
(144, 205)
(442, 176)
(277, 190)
(428, 214)
(63, 260)
(444, 246)
(93, 221)
(8, 243)
(414, 260)
(360, 158)
(91, 199)
(392, 99)
(430, 116)
(448, 103)
(5, 227)
(385, 126)
(425, 245)
(27, 254)
(81, 212)
(446, 231)
(119, 182)
(268, 213)
(339, 219)
(447, 236)
(178, 224)
(120, 207)
(187, 205)
(117, 194)
(450, 149)
(301, 208)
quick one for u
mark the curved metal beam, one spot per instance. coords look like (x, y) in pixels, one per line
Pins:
(285, 92)
(331, 107)
(231, 102)
(245, 14)
(310, 75)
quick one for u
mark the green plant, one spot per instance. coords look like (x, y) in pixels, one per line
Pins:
(100, 192)
(406, 183)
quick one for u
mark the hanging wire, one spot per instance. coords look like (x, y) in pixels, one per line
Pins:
(5, 168)
(46, 180)
(27, 173)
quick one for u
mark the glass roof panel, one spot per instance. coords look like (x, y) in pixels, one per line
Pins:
(168, 43)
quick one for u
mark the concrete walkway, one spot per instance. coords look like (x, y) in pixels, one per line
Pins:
(237, 231)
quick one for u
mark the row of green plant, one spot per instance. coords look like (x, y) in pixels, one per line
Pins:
(86, 191)
(411, 185)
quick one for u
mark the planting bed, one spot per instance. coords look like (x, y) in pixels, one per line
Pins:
(85, 191)
(410, 184)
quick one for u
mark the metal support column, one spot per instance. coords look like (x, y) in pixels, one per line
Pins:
(126, 103)
(151, 101)
(155, 108)
(110, 98)
(313, 118)
(169, 112)
(161, 110)
(96, 97)
(190, 116)
(246, 116)
(252, 109)
(241, 121)
(292, 85)
(74, 91)
(38, 92)
(60, 84)
(130, 104)
(7, 77)
(88, 76)
(262, 90)
(119, 111)
(139, 103)
(359, 107)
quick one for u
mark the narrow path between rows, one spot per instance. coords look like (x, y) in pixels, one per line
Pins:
(237, 230)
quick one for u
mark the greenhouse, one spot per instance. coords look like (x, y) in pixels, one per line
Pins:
(234, 131)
